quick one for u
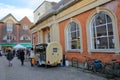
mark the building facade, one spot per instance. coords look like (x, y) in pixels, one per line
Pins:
(43, 9)
(13, 32)
(83, 27)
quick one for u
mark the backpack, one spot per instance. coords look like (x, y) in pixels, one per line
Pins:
(97, 64)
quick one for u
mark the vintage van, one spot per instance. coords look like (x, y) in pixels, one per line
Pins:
(48, 53)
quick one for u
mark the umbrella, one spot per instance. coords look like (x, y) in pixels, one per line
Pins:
(18, 46)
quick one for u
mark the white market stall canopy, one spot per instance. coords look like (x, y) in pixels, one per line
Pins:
(18, 46)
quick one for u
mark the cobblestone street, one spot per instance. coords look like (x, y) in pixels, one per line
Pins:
(26, 72)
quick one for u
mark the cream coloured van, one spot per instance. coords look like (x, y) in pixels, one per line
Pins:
(48, 54)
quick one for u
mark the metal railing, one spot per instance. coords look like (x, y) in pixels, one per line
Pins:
(74, 62)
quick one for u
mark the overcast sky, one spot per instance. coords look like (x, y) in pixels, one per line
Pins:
(20, 8)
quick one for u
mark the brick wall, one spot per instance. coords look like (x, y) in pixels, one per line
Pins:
(82, 18)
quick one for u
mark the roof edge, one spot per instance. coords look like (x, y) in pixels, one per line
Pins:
(56, 12)
(8, 16)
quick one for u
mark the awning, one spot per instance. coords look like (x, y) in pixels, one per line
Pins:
(8, 45)
(28, 45)
(18, 46)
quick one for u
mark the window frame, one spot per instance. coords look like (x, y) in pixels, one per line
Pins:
(67, 44)
(115, 31)
(25, 27)
(9, 27)
(107, 36)
(48, 37)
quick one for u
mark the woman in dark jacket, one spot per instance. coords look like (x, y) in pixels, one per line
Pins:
(22, 54)
(10, 56)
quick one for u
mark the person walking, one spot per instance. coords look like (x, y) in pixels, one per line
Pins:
(9, 56)
(32, 60)
(0, 52)
(22, 56)
(27, 54)
(14, 52)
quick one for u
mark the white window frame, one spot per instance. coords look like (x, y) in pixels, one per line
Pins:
(48, 37)
(9, 27)
(25, 27)
(105, 36)
(115, 31)
(67, 43)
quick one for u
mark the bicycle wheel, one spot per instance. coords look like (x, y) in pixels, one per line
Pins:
(116, 72)
(100, 69)
(108, 71)
(86, 67)
(116, 69)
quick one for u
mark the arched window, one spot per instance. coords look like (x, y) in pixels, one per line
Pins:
(48, 37)
(102, 36)
(73, 36)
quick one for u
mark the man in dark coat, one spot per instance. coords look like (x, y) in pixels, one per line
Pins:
(22, 56)
(9, 57)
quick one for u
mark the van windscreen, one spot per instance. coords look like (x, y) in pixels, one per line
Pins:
(41, 48)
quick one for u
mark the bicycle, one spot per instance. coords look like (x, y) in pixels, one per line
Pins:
(88, 63)
(112, 69)
(94, 65)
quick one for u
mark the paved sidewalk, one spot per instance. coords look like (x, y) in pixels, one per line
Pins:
(26, 72)
(2, 70)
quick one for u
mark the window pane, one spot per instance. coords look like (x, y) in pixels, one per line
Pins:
(73, 35)
(108, 19)
(74, 45)
(110, 29)
(101, 31)
(100, 18)
(78, 34)
(111, 42)
(103, 43)
(73, 26)
(78, 43)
